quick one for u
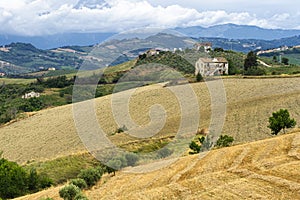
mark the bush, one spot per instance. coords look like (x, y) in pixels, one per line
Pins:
(131, 159)
(194, 147)
(79, 182)
(224, 141)
(44, 181)
(69, 192)
(164, 152)
(80, 196)
(91, 176)
(255, 71)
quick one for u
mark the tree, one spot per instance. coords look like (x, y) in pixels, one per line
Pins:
(250, 61)
(199, 77)
(281, 120)
(224, 141)
(13, 179)
(285, 61)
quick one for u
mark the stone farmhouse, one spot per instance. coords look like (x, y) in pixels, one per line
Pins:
(211, 66)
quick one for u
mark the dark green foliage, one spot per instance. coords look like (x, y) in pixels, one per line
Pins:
(199, 77)
(250, 61)
(218, 49)
(164, 152)
(32, 104)
(110, 170)
(121, 129)
(280, 120)
(91, 176)
(285, 61)
(255, 71)
(13, 180)
(69, 192)
(169, 59)
(194, 147)
(79, 182)
(44, 181)
(224, 141)
(55, 82)
(33, 180)
(80, 196)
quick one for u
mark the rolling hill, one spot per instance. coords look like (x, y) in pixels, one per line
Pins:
(267, 169)
(51, 133)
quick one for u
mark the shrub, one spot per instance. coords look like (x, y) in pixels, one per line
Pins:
(194, 147)
(69, 192)
(80, 196)
(44, 181)
(164, 152)
(79, 182)
(91, 176)
(224, 141)
(131, 159)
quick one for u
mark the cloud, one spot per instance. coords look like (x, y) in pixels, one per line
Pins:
(40, 17)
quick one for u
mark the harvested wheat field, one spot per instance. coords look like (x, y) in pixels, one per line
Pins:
(52, 133)
(266, 169)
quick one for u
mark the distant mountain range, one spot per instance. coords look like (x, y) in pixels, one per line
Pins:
(233, 31)
(229, 31)
(18, 58)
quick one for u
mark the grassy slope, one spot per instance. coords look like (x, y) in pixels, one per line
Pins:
(267, 169)
(16, 80)
(51, 133)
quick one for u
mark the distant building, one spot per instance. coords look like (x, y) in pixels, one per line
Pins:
(211, 66)
(51, 69)
(207, 46)
(30, 95)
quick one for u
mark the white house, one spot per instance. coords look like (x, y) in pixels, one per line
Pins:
(30, 95)
(206, 45)
(51, 69)
(211, 66)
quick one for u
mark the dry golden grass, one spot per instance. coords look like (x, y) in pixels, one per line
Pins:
(266, 169)
(51, 133)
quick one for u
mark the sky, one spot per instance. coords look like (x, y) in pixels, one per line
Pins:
(46, 17)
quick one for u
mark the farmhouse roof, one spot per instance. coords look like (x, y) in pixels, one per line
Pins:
(214, 60)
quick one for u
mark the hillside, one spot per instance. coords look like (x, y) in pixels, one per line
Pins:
(267, 169)
(29, 58)
(51, 133)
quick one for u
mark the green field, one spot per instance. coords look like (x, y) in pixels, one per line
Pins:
(16, 80)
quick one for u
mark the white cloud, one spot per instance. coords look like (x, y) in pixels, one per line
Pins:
(39, 17)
